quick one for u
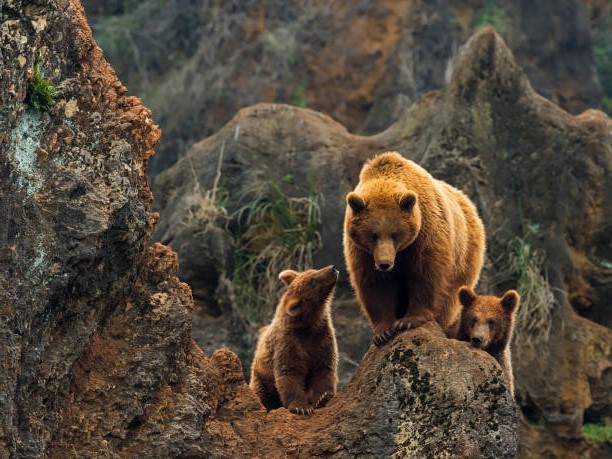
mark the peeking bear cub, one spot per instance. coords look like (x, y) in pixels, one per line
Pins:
(487, 322)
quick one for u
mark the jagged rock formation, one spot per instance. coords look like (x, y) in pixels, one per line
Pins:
(95, 354)
(539, 178)
(364, 63)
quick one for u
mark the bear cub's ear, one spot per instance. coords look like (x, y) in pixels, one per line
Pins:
(407, 201)
(294, 307)
(510, 300)
(466, 297)
(356, 202)
(288, 276)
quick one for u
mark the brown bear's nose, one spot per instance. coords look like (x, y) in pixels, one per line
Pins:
(384, 266)
(476, 341)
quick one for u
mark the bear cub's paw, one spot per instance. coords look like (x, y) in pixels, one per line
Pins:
(301, 410)
(323, 399)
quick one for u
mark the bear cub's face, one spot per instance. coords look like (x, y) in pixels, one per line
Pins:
(487, 319)
(308, 292)
(383, 224)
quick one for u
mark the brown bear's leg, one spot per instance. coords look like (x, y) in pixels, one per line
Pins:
(322, 387)
(292, 394)
(380, 303)
(290, 380)
(424, 305)
(266, 392)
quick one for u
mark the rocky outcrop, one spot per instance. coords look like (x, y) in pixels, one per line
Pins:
(363, 63)
(96, 357)
(537, 175)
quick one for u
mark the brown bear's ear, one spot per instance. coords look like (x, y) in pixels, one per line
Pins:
(356, 202)
(294, 307)
(288, 276)
(407, 201)
(466, 297)
(510, 300)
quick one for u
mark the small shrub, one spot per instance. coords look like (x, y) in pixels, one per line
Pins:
(597, 432)
(275, 232)
(602, 49)
(492, 15)
(41, 92)
(299, 96)
(523, 265)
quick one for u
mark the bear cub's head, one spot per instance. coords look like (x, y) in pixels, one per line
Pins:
(308, 292)
(488, 320)
(382, 220)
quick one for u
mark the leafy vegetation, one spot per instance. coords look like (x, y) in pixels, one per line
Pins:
(523, 265)
(276, 232)
(299, 96)
(597, 432)
(491, 14)
(41, 92)
(602, 49)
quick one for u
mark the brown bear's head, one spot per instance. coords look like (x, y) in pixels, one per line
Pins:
(488, 320)
(308, 293)
(383, 218)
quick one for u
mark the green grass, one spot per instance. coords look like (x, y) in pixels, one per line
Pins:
(597, 432)
(602, 49)
(299, 96)
(276, 232)
(492, 15)
(41, 92)
(522, 265)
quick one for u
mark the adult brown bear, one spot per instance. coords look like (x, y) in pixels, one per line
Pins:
(410, 243)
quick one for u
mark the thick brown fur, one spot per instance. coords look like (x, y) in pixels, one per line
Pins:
(296, 359)
(487, 322)
(410, 242)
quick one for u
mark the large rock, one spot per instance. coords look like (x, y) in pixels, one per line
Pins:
(96, 357)
(537, 174)
(362, 62)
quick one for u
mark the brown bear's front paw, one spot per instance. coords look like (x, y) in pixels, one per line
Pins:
(408, 323)
(384, 337)
(301, 410)
(323, 399)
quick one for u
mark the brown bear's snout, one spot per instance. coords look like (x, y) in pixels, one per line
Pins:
(384, 256)
(476, 341)
(480, 336)
(385, 265)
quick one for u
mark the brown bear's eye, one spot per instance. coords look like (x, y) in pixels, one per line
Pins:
(374, 237)
(395, 236)
(474, 320)
(312, 282)
(491, 322)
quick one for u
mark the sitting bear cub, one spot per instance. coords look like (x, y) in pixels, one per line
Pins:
(487, 322)
(296, 359)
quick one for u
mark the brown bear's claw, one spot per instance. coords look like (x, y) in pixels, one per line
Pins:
(323, 399)
(407, 324)
(384, 337)
(302, 411)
